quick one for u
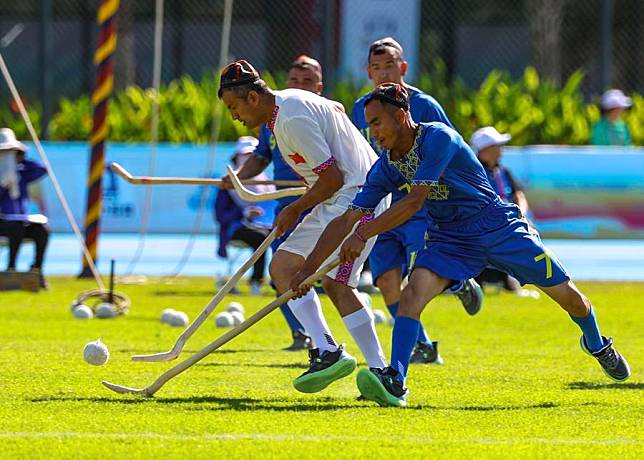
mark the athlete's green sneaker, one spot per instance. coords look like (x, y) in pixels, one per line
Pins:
(381, 386)
(325, 369)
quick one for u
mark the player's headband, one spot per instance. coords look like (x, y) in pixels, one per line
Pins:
(238, 73)
(391, 93)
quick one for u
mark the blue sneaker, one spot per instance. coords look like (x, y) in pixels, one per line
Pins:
(471, 296)
(382, 386)
(613, 364)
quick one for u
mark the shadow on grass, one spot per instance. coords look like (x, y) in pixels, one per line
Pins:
(218, 403)
(214, 403)
(270, 366)
(605, 386)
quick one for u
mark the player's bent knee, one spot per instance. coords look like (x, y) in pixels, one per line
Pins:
(411, 303)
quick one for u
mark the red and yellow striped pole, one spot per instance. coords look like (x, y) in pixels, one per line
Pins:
(104, 82)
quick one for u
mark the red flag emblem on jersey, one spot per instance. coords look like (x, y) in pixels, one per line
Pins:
(297, 158)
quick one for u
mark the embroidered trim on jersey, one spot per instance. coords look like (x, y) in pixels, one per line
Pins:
(345, 269)
(408, 165)
(354, 207)
(271, 124)
(327, 164)
(424, 182)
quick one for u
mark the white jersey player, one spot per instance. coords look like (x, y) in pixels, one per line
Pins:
(322, 146)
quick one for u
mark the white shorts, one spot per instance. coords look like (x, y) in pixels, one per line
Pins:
(305, 236)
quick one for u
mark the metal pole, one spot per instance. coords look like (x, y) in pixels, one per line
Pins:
(46, 42)
(606, 61)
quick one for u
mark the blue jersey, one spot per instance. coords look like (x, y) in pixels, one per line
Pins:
(423, 109)
(441, 159)
(268, 150)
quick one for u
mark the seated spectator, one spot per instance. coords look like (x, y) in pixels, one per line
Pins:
(488, 144)
(240, 220)
(16, 173)
(611, 129)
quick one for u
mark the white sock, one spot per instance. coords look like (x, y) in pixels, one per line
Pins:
(308, 311)
(360, 325)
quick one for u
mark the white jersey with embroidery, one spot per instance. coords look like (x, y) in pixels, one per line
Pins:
(313, 133)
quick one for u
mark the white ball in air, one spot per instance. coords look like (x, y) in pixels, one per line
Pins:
(105, 310)
(235, 306)
(166, 315)
(179, 319)
(96, 353)
(238, 318)
(379, 317)
(82, 312)
(224, 319)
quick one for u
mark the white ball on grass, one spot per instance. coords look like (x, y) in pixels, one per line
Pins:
(379, 317)
(96, 353)
(235, 306)
(82, 312)
(238, 318)
(224, 319)
(166, 315)
(179, 319)
(105, 310)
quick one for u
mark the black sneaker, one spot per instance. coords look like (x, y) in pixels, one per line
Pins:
(325, 369)
(471, 296)
(301, 341)
(382, 386)
(613, 364)
(426, 354)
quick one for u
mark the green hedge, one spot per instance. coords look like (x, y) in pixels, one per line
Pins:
(532, 110)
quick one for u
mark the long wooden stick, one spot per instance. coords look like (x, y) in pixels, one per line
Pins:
(255, 197)
(232, 282)
(227, 337)
(153, 180)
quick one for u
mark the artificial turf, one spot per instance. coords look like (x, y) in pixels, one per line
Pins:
(514, 384)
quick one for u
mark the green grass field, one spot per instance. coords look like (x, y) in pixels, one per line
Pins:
(514, 384)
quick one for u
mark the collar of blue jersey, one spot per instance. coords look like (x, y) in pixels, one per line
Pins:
(408, 164)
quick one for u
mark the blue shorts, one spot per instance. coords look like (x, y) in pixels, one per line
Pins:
(498, 237)
(397, 248)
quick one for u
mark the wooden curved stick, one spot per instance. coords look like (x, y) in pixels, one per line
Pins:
(248, 195)
(174, 352)
(227, 337)
(153, 180)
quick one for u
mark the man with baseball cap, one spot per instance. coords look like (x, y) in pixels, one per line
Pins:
(488, 144)
(470, 228)
(317, 140)
(611, 128)
(394, 252)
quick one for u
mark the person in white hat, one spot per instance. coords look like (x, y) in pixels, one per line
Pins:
(488, 144)
(16, 173)
(611, 128)
(242, 221)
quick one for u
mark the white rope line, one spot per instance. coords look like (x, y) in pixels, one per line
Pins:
(214, 137)
(154, 141)
(50, 171)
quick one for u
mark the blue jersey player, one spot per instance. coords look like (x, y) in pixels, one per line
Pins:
(470, 227)
(304, 73)
(393, 254)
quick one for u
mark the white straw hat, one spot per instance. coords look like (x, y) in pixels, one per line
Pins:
(8, 141)
(487, 137)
